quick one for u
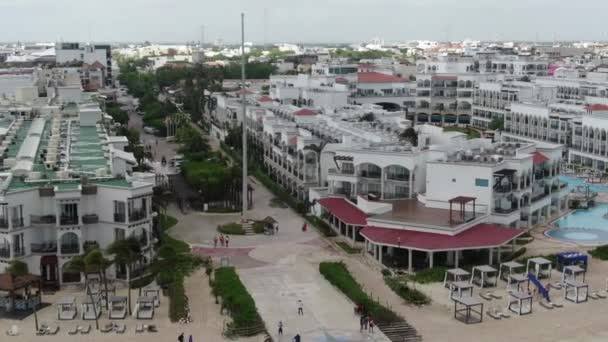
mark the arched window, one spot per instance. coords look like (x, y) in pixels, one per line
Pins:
(69, 243)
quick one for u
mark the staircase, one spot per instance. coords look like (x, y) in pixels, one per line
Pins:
(400, 332)
(248, 228)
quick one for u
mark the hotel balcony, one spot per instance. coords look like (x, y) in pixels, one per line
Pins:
(68, 220)
(17, 222)
(70, 249)
(3, 223)
(45, 247)
(137, 215)
(5, 253)
(43, 219)
(120, 218)
(90, 219)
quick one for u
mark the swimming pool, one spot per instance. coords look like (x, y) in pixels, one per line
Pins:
(573, 182)
(585, 226)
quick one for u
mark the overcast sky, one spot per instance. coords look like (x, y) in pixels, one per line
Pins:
(302, 20)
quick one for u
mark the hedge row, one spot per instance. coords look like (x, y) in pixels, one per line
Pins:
(321, 226)
(410, 295)
(237, 301)
(177, 300)
(339, 276)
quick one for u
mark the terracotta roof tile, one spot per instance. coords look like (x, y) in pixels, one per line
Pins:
(344, 210)
(378, 77)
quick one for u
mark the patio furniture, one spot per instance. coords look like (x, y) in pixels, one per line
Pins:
(468, 309)
(85, 331)
(484, 276)
(151, 290)
(516, 282)
(542, 267)
(53, 331)
(494, 313)
(144, 309)
(91, 307)
(120, 329)
(139, 328)
(66, 308)
(74, 330)
(572, 272)
(118, 307)
(13, 331)
(520, 303)
(576, 291)
(508, 268)
(570, 259)
(461, 287)
(454, 274)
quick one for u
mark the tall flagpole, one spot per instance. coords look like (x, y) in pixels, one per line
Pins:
(243, 99)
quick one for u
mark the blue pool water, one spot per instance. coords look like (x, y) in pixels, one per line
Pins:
(582, 226)
(573, 182)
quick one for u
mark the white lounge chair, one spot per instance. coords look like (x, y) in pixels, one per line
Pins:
(546, 305)
(120, 329)
(494, 314)
(485, 296)
(13, 331)
(73, 331)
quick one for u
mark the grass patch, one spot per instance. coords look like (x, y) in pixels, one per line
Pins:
(276, 203)
(177, 300)
(321, 226)
(231, 229)
(471, 133)
(429, 275)
(238, 302)
(410, 295)
(600, 252)
(347, 248)
(339, 276)
(166, 222)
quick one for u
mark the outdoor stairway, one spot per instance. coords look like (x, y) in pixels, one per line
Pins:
(400, 332)
(248, 228)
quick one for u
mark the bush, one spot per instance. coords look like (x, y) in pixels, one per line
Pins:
(515, 255)
(386, 272)
(600, 252)
(142, 281)
(258, 227)
(430, 275)
(177, 300)
(339, 276)
(237, 300)
(410, 295)
(231, 229)
(166, 222)
(321, 226)
(348, 249)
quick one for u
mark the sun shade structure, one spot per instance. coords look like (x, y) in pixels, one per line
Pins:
(151, 291)
(66, 308)
(541, 266)
(144, 308)
(576, 291)
(468, 309)
(91, 307)
(520, 302)
(461, 288)
(18, 296)
(484, 276)
(455, 274)
(118, 307)
(462, 202)
(572, 272)
(506, 269)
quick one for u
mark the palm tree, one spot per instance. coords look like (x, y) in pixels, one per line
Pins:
(78, 264)
(170, 264)
(126, 252)
(95, 262)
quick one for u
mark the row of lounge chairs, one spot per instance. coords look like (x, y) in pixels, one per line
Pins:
(117, 328)
(83, 330)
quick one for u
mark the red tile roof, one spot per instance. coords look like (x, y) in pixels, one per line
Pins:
(265, 99)
(483, 235)
(341, 80)
(378, 77)
(304, 112)
(344, 210)
(597, 107)
(246, 91)
(539, 158)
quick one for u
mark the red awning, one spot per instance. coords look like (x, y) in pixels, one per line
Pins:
(539, 158)
(304, 112)
(265, 99)
(377, 77)
(597, 107)
(482, 235)
(344, 210)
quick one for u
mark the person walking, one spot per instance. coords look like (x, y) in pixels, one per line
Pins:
(215, 241)
(180, 338)
(304, 227)
(222, 240)
(371, 325)
(190, 339)
(361, 318)
(227, 240)
(296, 338)
(365, 322)
(280, 328)
(300, 307)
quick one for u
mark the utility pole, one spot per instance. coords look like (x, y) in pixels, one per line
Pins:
(244, 124)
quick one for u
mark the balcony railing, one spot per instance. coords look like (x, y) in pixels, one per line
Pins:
(121, 218)
(3, 223)
(19, 252)
(367, 174)
(397, 177)
(5, 253)
(70, 249)
(90, 218)
(503, 189)
(43, 219)
(395, 195)
(17, 222)
(137, 215)
(504, 211)
(68, 220)
(45, 247)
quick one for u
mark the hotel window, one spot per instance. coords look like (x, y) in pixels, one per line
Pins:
(481, 182)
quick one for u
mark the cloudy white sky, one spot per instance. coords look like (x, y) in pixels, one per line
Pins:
(302, 20)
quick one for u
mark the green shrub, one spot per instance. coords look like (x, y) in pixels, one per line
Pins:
(177, 300)
(166, 222)
(339, 276)
(430, 275)
(600, 252)
(386, 272)
(347, 248)
(515, 255)
(237, 300)
(231, 229)
(142, 281)
(258, 227)
(321, 226)
(410, 295)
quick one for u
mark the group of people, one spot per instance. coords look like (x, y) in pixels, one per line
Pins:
(223, 240)
(366, 323)
(181, 338)
(300, 313)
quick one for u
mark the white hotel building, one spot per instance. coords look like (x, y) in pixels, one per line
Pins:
(68, 185)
